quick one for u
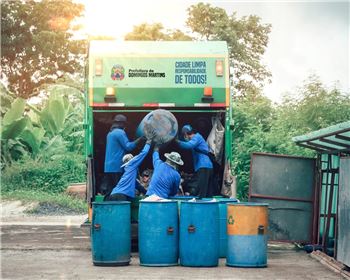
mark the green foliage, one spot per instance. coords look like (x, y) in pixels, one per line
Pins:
(14, 128)
(254, 140)
(154, 32)
(247, 38)
(207, 20)
(146, 32)
(33, 137)
(315, 107)
(5, 100)
(72, 102)
(11, 150)
(177, 35)
(53, 115)
(13, 123)
(52, 176)
(253, 116)
(37, 44)
(16, 112)
(45, 131)
(263, 127)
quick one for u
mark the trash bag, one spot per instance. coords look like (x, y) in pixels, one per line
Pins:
(215, 139)
(229, 184)
(160, 123)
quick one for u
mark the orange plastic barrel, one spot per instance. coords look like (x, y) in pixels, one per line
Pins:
(247, 234)
(90, 213)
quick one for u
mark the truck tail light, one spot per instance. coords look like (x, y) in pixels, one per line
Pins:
(110, 95)
(207, 95)
(98, 67)
(110, 91)
(208, 91)
(219, 68)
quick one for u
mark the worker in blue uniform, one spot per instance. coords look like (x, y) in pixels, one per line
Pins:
(125, 189)
(201, 182)
(117, 146)
(143, 181)
(166, 178)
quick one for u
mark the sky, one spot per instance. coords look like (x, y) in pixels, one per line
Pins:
(307, 37)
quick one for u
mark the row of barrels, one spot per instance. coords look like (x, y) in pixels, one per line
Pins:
(189, 233)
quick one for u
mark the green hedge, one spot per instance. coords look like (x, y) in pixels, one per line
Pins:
(53, 176)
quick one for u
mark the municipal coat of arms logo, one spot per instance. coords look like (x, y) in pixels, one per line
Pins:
(117, 72)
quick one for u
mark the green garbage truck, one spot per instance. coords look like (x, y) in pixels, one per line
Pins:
(189, 79)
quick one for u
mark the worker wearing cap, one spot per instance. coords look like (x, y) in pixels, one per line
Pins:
(117, 146)
(201, 182)
(165, 180)
(143, 181)
(125, 189)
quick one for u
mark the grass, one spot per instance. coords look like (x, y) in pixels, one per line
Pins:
(59, 202)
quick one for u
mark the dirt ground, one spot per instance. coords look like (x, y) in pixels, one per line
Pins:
(14, 212)
(58, 248)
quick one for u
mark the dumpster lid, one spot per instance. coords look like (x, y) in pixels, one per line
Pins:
(330, 140)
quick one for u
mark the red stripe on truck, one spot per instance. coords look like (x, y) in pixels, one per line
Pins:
(150, 105)
(99, 104)
(217, 105)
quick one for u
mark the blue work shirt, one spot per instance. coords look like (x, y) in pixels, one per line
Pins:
(117, 145)
(200, 160)
(127, 182)
(165, 180)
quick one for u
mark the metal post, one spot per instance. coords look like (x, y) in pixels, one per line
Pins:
(329, 212)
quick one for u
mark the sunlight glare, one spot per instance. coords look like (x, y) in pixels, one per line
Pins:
(68, 223)
(116, 18)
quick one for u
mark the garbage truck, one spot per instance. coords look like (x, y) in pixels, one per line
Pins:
(189, 79)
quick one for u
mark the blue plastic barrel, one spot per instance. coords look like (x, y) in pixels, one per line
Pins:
(199, 233)
(160, 124)
(158, 233)
(223, 224)
(110, 233)
(247, 234)
(180, 198)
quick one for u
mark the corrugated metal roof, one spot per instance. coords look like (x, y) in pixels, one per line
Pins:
(333, 139)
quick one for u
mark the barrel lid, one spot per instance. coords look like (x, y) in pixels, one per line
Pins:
(158, 201)
(249, 204)
(110, 202)
(221, 200)
(201, 201)
(183, 197)
(227, 200)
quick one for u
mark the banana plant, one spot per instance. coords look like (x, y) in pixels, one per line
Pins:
(11, 150)
(13, 124)
(13, 121)
(54, 114)
(32, 137)
(73, 102)
(43, 133)
(52, 148)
